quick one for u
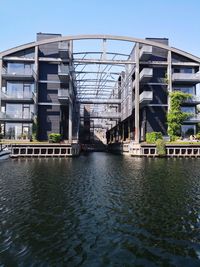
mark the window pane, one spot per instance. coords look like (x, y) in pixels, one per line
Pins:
(13, 130)
(14, 110)
(15, 89)
(188, 109)
(187, 130)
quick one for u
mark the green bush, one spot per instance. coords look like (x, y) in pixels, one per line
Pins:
(153, 136)
(198, 136)
(1, 136)
(54, 138)
(160, 147)
(174, 138)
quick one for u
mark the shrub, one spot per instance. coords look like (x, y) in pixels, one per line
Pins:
(198, 136)
(153, 136)
(54, 138)
(1, 136)
(174, 138)
(160, 147)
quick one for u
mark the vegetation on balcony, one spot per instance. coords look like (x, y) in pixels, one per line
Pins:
(152, 137)
(175, 116)
(54, 138)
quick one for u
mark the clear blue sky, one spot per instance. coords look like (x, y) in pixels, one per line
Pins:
(179, 20)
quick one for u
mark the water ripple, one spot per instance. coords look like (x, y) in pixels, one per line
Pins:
(100, 210)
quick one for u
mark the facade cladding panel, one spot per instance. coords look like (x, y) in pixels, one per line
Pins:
(48, 120)
(48, 95)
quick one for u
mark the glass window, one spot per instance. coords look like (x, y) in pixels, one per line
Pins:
(13, 130)
(15, 89)
(14, 110)
(19, 111)
(187, 130)
(183, 70)
(187, 90)
(20, 90)
(188, 109)
(27, 91)
(17, 130)
(19, 68)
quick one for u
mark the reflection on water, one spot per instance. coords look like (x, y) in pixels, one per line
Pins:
(100, 210)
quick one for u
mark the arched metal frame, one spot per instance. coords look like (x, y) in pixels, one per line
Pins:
(103, 37)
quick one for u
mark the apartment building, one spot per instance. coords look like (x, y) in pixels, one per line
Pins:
(40, 95)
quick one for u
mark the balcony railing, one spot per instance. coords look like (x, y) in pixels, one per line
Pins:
(186, 77)
(194, 118)
(146, 74)
(16, 117)
(63, 96)
(18, 97)
(145, 52)
(64, 72)
(146, 97)
(63, 48)
(18, 75)
(193, 100)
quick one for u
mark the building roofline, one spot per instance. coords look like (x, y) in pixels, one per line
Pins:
(108, 37)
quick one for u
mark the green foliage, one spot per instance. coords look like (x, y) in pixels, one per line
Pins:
(1, 136)
(176, 117)
(174, 138)
(160, 147)
(54, 138)
(198, 136)
(153, 136)
(34, 130)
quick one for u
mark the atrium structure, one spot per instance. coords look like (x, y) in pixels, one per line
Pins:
(94, 87)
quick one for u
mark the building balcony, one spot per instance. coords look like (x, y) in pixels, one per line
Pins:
(63, 73)
(194, 118)
(19, 76)
(63, 96)
(145, 52)
(189, 78)
(63, 49)
(146, 97)
(18, 98)
(16, 117)
(193, 100)
(146, 74)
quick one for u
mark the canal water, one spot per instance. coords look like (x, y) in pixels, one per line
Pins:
(100, 210)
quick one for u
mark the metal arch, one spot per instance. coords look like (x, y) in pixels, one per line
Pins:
(92, 37)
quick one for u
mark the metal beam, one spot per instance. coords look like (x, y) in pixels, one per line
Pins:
(102, 61)
(101, 101)
(97, 37)
(105, 115)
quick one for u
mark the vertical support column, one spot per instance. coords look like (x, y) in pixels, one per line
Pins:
(122, 131)
(70, 123)
(36, 70)
(129, 129)
(1, 67)
(104, 49)
(169, 76)
(137, 92)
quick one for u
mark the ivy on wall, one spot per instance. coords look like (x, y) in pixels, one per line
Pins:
(175, 116)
